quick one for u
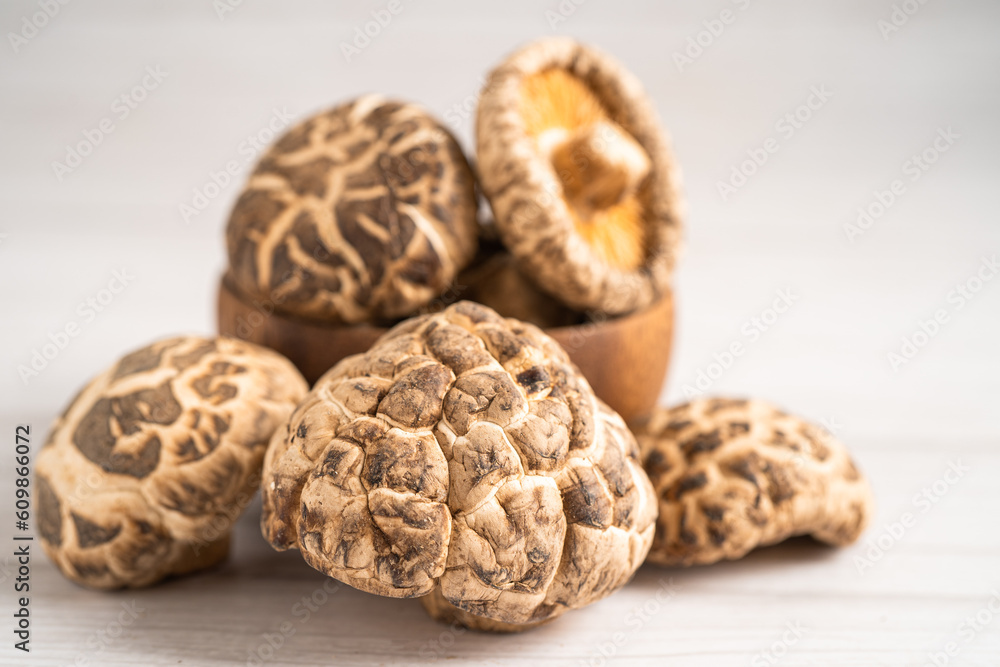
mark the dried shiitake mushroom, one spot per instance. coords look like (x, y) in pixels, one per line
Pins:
(363, 213)
(148, 468)
(732, 475)
(463, 454)
(580, 176)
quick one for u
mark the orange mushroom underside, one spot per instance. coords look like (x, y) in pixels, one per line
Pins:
(599, 165)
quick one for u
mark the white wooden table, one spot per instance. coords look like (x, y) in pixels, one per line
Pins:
(219, 82)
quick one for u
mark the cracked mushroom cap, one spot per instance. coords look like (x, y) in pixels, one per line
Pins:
(149, 467)
(580, 176)
(464, 454)
(363, 213)
(732, 475)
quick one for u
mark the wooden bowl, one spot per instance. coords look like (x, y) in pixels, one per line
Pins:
(624, 358)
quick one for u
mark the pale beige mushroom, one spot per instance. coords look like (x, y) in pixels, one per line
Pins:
(364, 213)
(580, 176)
(732, 475)
(147, 470)
(462, 454)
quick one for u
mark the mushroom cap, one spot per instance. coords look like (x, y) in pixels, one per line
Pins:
(362, 213)
(151, 464)
(463, 452)
(732, 475)
(573, 176)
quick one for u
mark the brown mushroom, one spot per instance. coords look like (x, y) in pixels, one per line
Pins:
(732, 475)
(148, 468)
(363, 213)
(463, 453)
(580, 176)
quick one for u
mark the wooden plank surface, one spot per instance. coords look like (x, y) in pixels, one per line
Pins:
(854, 301)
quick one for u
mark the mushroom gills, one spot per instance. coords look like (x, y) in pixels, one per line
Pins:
(600, 166)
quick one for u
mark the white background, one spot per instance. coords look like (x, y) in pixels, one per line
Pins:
(826, 358)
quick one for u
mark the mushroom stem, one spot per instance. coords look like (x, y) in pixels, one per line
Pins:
(599, 164)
